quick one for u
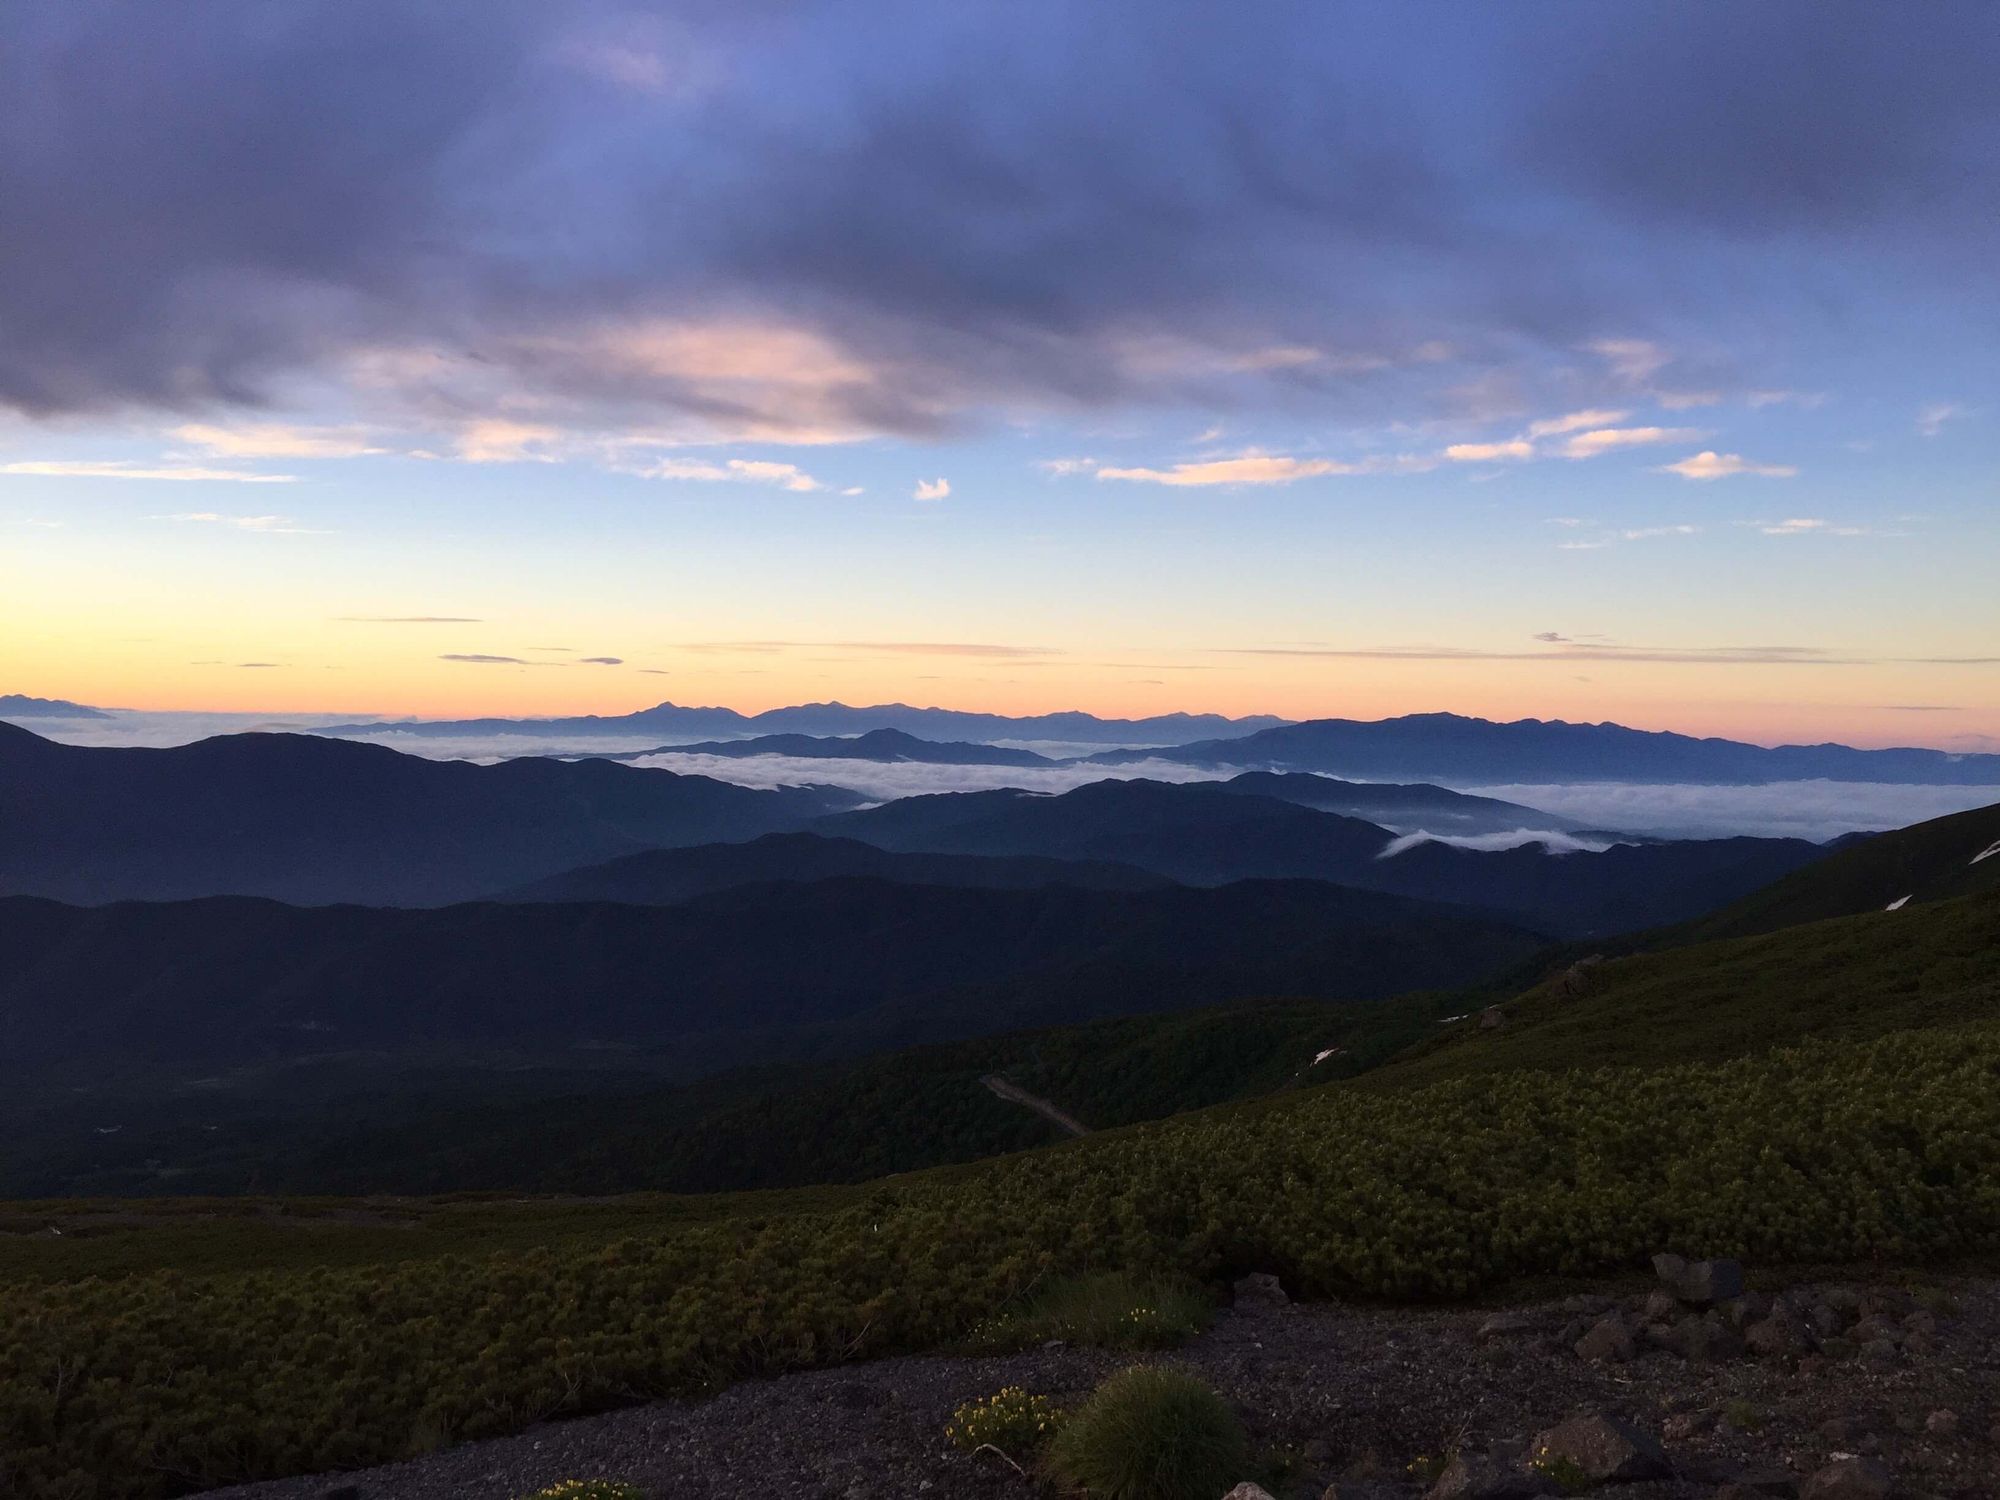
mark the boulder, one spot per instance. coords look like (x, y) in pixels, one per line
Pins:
(1609, 1341)
(1474, 1476)
(1606, 1450)
(1701, 1282)
(1492, 1018)
(1711, 1339)
(1248, 1491)
(1260, 1289)
(1774, 1338)
(1942, 1423)
(1850, 1479)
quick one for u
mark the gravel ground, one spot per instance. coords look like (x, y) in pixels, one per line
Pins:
(1349, 1393)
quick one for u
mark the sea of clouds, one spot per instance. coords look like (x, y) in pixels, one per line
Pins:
(1796, 809)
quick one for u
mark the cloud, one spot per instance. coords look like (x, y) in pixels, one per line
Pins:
(257, 664)
(277, 440)
(1645, 533)
(1931, 420)
(602, 661)
(1064, 467)
(1634, 361)
(109, 469)
(1285, 197)
(1603, 439)
(931, 489)
(884, 648)
(496, 440)
(1808, 526)
(744, 470)
(1252, 468)
(1816, 810)
(1597, 546)
(1550, 839)
(1575, 421)
(1572, 652)
(408, 620)
(1712, 465)
(272, 525)
(1479, 453)
(481, 659)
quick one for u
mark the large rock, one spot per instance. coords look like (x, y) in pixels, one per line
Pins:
(1248, 1491)
(1505, 1325)
(1606, 1450)
(1850, 1479)
(1609, 1342)
(1260, 1289)
(1702, 1282)
(1477, 1477)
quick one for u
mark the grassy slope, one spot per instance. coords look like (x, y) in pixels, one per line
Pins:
(1848, 977)
(1931, 861)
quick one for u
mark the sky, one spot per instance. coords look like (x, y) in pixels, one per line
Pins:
(1617, 362)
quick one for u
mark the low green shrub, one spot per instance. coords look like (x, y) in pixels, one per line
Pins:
(588, 1489)
(1151, 1433)
(148, 1385)
(1020, 1425)
(1105, 1309)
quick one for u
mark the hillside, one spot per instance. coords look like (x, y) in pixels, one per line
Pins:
(1471, 751)
(754, 973)
(1931, 861)
(665, 877)
(1206, 833)
(1846, 978)
(1402, 808)
(304, 819)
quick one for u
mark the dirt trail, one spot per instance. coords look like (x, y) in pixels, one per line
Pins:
(1015, 1094)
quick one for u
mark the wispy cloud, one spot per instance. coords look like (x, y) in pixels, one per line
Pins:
(1632, 360)
(481, 659)
(1570, 653)
(1932, 419)
(1479, 453)
(1709, 464)
(120, 469)
(1260, 468)
(500, 440)
(1575, 421)
(736, 470)
(1598, 440)
(277, 440)
(1645, 533)
(602, 661)
(931, 489)
(1808, 526)
(271, 525)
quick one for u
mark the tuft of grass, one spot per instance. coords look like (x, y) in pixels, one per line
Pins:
(1105, 1309)
(1151, 1433)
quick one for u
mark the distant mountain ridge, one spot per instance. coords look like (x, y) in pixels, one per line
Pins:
(1211, 833)
(306, 819)
(1454, 748)
(888, 746)
(841, 719)
(20, 706)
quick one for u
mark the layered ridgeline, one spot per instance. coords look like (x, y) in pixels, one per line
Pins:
(1469, 751)
(1845, 1144)
(300, 818)
(748, 973)
(1208, 833)
(882, 746)
(836, 719)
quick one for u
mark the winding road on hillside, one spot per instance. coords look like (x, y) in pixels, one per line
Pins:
(1015, 1094)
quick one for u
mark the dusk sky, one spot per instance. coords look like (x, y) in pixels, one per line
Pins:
(1599, 361)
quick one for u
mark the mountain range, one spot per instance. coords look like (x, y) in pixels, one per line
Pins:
(305, 819)
(1453, 748)
(1210, 833)
(840, 719)
(755, 973)
(888, 746)
(20, 706)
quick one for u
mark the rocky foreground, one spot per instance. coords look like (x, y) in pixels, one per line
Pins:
(1696, 1387)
